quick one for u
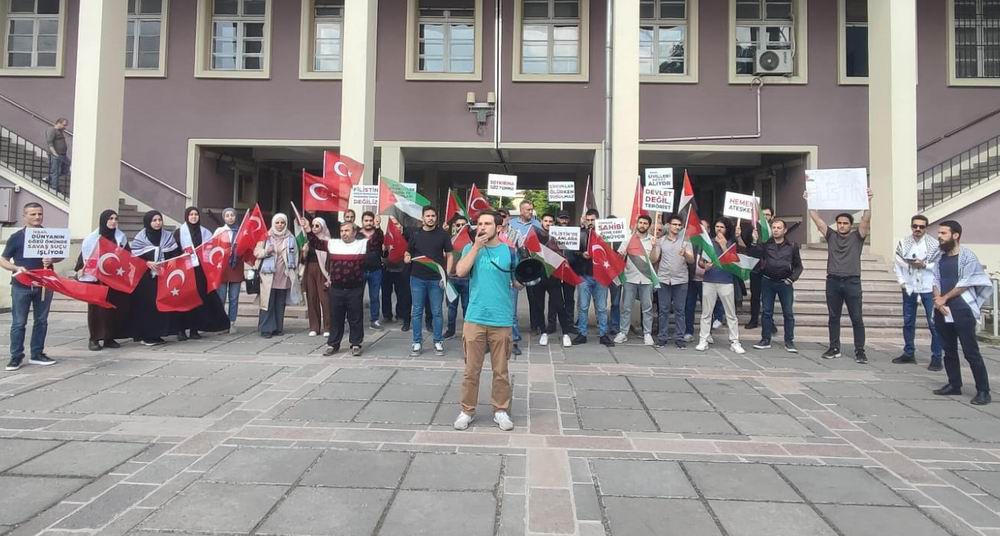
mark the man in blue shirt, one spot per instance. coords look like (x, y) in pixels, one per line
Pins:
(489, 264)
(25, 298)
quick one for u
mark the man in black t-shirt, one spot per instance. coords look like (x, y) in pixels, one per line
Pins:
(430, 245)
(25, 298)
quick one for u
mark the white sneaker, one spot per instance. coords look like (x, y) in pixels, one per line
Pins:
(716, 324)
(416, 349)
(544, 339)
(312, 333)
(702, 346)
(439, 348)
(620, 338)
(463, 421)
(502, 420)
(688, 337)
(737, 348)
(710, 339)
(232, 329)
(647, 339)
(567, 342)
(326, 333)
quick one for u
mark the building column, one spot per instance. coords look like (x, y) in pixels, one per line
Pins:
(892, 113)
(624, 107)
(95, 183)
(393, 162)
(357, 105)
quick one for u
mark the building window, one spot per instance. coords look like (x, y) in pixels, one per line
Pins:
(446, 36)
(774, 17)
(550, 37)
(143, 36)
(238, 35)
(855, 38)
(976, 27)
(663, 34)
(33, 34)
(328, 35)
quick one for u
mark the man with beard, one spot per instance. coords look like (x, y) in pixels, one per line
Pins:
(433, 243)
(961, 287)
(915, 259)
(552, 286)
(373, 271)
(568, 290)
(756, 276)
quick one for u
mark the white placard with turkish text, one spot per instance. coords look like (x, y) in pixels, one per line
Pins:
(562, 192)
(659, 177)
(501, 185)
(837, 189)
(46, 243)
(612, 229)
(658, 199)
(739, 206)
(567, 237)
(364, 195)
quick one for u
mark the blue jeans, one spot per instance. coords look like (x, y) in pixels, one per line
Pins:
(22, 299)
(590, 288)
(693, 297)
(58, 166)
(374, 281)
(420, 290)
(672, 297)
(616, 307)
(515, 330)
(769, 288)
(462, 286)
(231, 291)
(910, 324)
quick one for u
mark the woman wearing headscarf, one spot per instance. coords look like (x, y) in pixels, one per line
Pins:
(210, 315)
(232, 272)
(104, 324)
(279, 256)
(153, 245)
(316, 281)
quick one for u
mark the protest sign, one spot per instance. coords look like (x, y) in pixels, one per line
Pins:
(739, 206)
(501, 185)
(364, 195)
(567, 237)
(659, 177)
(837, 189)
(658, 199)
(612, 229)
(42, 242)
(562, 192)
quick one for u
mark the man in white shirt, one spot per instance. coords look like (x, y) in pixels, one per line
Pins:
(640, 278)
(916, 255)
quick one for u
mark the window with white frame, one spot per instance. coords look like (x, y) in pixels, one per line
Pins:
(550, 37)
(142, 40)
(855, 38)
(663, 32)
(32, 34)
(775, 17)
(238, 35)
(328, 35)
(446, 36)
(977, 38)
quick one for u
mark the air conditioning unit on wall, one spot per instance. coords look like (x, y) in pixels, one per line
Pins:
(775, 57)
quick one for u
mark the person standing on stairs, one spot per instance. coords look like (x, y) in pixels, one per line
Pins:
(916, 257)
(55, 140)
(843, 276)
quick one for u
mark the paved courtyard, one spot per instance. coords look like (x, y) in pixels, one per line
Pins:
(235, 434)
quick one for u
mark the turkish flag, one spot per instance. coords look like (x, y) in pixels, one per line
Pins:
(319, 195)
(637, 209)
(461, 239)
(213, 257)
(340, 173)
(252, 231)
(395, 241)
(176, 290)
(85, 292)
(608, 265)
(477, 203)
(115, 266)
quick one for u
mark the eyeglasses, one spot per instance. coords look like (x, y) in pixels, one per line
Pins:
(916, 227)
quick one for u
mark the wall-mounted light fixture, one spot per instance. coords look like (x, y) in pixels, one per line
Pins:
(483, 110)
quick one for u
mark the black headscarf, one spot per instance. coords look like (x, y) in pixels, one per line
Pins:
(102, 225)
(193, 228)
(153, 235)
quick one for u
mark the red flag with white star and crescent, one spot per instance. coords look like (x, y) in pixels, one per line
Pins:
(252, 231)
(319, 194)
(478, 203)
(115, 266)
(213, 256)
(608, 265)
(176, 290)
(395, 242)
(340, 174)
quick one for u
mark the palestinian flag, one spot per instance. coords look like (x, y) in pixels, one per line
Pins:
(399, 201)
(737, 264)
(555, 264)
(431, 264)
(687, 193)
(459, 241)
(300, 234)
(637, 209)
(730, 260)
(454, 207)
(763, 227)
(637, 256)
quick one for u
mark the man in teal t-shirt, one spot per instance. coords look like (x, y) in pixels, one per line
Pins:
(489, 263)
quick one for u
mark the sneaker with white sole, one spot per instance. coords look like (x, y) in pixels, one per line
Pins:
(312, 333)
(688, 337)
(567, 342)
(544, 339)
(716, 324)
(463, 421)
(647, 339)
(503, 421)
(439, 348)
(702, 346)
(416, 350)
(326, 333)
(737, 348)
(621, 338)
(710, 339)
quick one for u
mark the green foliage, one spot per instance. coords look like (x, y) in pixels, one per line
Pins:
(540, 199)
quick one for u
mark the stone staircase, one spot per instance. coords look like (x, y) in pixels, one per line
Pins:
(975, 166)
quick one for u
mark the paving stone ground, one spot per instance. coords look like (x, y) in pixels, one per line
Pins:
(235, 434)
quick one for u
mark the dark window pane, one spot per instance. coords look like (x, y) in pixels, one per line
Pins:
(646, 9)
(856, 10)
(19, 60)
(747, 9)
(48, 7)
(965, 9)
(672, 67)
(151, 7)
(255, 29)
(226, 7)
(672, 10)
(779, 11)
(253, 7)
(252, 64)
(857, 51)
(536, 9)
(22, 6)
(131, 6)
(569, 10)
(47, 59)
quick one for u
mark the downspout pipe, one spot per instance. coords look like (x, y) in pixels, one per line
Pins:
(608, 69)
(497, 86)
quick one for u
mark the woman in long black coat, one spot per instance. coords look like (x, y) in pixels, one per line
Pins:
(210, 316)
(153, 245)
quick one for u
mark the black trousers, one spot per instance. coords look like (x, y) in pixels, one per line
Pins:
(841, 290)
(398, 282)
(569, 307)
(536, 305)
(962, 330)
(557, 311)
(755, 280)
(346, 302)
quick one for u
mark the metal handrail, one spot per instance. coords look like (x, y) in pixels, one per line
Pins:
(956, 130)
(28, 160)
(958, 173)
(125, 163)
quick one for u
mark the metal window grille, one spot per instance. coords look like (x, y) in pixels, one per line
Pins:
(977, 38)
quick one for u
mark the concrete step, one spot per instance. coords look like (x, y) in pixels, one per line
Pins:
(866, 286)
